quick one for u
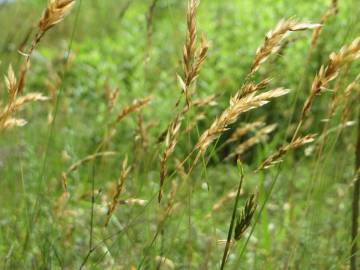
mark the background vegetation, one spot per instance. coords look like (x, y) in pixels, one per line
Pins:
(134, 48)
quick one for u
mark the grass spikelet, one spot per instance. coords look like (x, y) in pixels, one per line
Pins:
(192, 60)
(277, 157)
(54, 13)
(170, 143)
(31, 97)
(13, 122)
(238, 105)
(328, 73)
(244, 220)
(192, 57)
(119, 188)
(15, 103)
(274, 38)
(10, 81)
(135, 106)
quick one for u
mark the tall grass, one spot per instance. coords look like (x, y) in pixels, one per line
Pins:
(153, 139)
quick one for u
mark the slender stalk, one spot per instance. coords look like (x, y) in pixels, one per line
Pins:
(355, 203)
(232, 222)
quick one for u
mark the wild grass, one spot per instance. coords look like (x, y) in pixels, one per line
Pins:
(173, 135)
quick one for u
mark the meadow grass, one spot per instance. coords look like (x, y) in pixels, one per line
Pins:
(169, 134)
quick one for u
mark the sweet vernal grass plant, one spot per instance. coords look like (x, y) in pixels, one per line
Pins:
(122, 192)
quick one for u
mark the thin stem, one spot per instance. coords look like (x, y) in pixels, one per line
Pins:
(232, 222)
(355, 203)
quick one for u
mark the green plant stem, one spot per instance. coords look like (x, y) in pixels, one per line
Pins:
(232, 222)
(355, 203)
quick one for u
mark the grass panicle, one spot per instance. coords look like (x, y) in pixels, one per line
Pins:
(119, 188)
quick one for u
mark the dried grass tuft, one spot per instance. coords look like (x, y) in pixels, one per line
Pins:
(135, 106)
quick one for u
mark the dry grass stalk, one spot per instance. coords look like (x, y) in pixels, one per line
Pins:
(14, 122)
(274, 38)
(79, 163)
(119, 188)
(260, 136)
(23, 100)
(54, 13)
(244, 221)
(11, 85)
(135, 106)
(241, 131)
(15, 103)
(249, 88)
(170, 143)
(192, 60)
(328, 73)
(331, 11)
(277, 157)
(133, 201)
(238, 105)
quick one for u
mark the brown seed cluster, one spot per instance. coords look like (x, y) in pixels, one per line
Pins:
(119, 188)
(274, 38)
(277, 157)
(329, 72)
